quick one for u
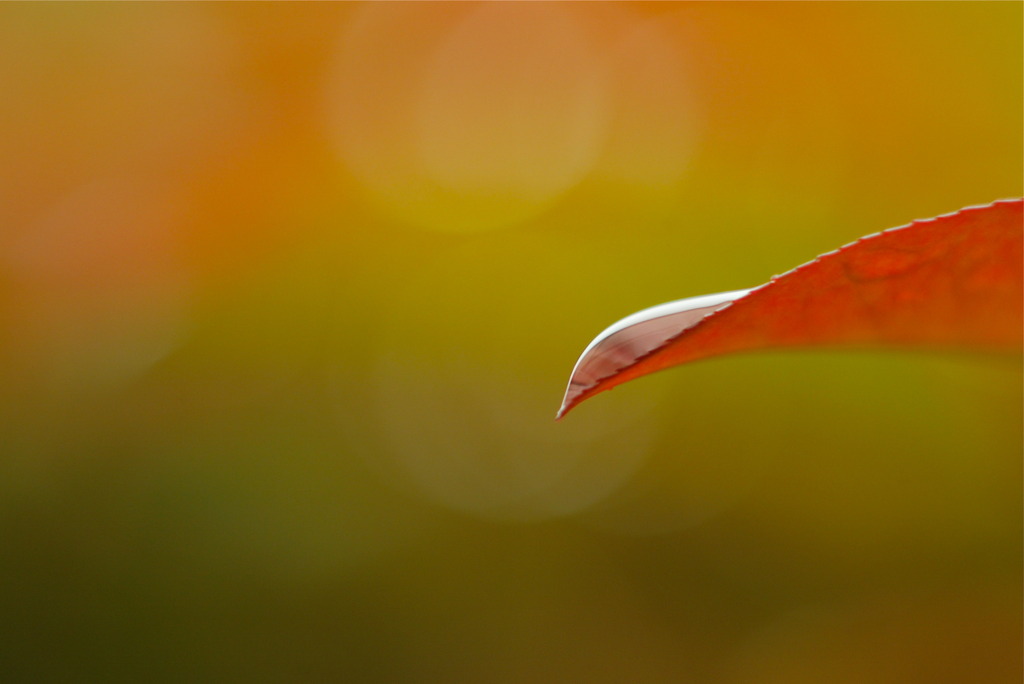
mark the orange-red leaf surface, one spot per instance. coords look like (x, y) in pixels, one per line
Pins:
(953, 282)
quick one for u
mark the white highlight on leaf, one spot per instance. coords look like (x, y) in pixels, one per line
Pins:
(624, 342)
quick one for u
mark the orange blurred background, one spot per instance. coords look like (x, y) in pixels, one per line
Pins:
(289, 294)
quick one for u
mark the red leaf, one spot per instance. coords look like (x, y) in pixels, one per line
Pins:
(952, 282)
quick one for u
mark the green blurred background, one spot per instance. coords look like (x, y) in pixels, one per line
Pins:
(289, 295)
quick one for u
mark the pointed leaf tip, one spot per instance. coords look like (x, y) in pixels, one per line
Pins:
(954, 281)
(629, 339)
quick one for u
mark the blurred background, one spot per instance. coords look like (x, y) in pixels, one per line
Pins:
(289, 295)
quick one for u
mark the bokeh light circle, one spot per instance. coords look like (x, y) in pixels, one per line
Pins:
(101, 291)
(465, 399)
(480, 117)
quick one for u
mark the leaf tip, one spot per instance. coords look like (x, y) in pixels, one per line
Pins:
(569, 400)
